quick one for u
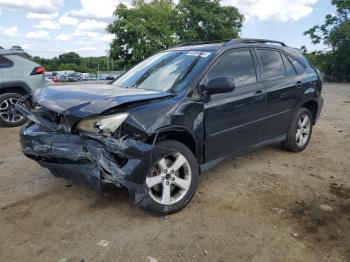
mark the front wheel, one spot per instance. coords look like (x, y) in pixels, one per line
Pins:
(173, 178)
(299, 132)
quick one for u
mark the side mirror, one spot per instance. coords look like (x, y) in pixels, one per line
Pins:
(223, 84)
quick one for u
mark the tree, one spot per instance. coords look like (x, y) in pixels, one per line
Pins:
(142, 30)
(70, 58)
(207, 20)
(335, 32)
(150, 26)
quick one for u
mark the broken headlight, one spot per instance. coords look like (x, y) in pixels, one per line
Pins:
(107, 124)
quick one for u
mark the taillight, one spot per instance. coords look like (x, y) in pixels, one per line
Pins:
(38, 70)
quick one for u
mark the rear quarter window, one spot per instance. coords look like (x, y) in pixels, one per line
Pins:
(4, 62)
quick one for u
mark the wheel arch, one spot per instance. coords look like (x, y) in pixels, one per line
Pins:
(15, 88)
(177, 133)
(313, 107)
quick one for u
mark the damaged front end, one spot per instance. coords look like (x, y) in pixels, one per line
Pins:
(86, 158)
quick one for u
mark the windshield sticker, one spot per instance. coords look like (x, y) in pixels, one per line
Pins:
(198, 53)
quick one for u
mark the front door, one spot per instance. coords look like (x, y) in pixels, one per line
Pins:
(234, 121)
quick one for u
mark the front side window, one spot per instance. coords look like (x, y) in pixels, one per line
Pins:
(272, 63)
(237, 64)
(165, 71)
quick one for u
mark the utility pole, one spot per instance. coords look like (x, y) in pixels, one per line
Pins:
(98, 71)
(107, 55)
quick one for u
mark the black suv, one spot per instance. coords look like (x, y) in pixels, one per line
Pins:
(173, 116)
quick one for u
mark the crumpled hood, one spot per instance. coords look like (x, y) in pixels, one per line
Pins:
(86, 100)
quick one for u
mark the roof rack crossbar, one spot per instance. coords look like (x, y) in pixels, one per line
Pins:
(252, 41)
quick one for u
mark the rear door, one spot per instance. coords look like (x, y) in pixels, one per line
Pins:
(234, 121)
(282, 88)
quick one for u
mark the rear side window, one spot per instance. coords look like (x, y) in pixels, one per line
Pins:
(297, 65)
(272, 63)
(288, 66)
(237, 64)
(4, 62)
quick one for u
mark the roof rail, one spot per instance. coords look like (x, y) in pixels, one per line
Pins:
(252, 41)
(202, 42)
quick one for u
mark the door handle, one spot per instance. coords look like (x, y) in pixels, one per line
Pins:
(299, 84)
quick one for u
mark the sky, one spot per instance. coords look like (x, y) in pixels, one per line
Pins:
(48, 28)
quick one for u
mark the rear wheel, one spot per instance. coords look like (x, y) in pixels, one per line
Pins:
(299, 132)
(8, 115)
(173, 178)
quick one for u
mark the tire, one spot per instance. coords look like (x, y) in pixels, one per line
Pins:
(292, 143)
(188, 172)
(9, 117)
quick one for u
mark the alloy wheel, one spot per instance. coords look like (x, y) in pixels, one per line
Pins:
(303, 130)
(169, 179)
(8, 111)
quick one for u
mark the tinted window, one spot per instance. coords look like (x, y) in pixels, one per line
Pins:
(288, 66)
(239, 65)
(298, 66)
(4, 62)
(272, 64)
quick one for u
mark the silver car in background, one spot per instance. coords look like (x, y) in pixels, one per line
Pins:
(19, 76)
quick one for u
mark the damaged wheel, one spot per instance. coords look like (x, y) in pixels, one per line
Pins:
(173, 178)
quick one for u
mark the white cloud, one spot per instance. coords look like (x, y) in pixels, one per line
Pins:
(38, 35)
(92, 25)
(96, 9)
(47, 25)
(11, 31)
(66, 20)
(63, 37)
(281, 10)
(35, 6)
(90, 29)
(31, 15)
(87, 48)
(88, 34)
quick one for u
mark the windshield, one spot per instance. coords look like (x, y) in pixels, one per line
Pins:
(165, 71)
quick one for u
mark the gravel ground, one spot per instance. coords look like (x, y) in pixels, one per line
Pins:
(269, 205)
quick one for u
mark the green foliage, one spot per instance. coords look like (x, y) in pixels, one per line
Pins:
(335, 32)
(72, 61)
(150, 26)
(142, 30)
(207, 20)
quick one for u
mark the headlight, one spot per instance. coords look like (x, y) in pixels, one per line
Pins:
(106, 124)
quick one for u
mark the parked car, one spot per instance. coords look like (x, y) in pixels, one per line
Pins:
(18, 76)
(175, 115)
(73, 77)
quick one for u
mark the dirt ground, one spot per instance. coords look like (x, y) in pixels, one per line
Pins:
(269, 205)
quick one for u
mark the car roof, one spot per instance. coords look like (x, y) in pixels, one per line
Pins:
(11, 51)
(241, 43)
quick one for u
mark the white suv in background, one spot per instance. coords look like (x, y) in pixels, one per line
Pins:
(18, 76)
